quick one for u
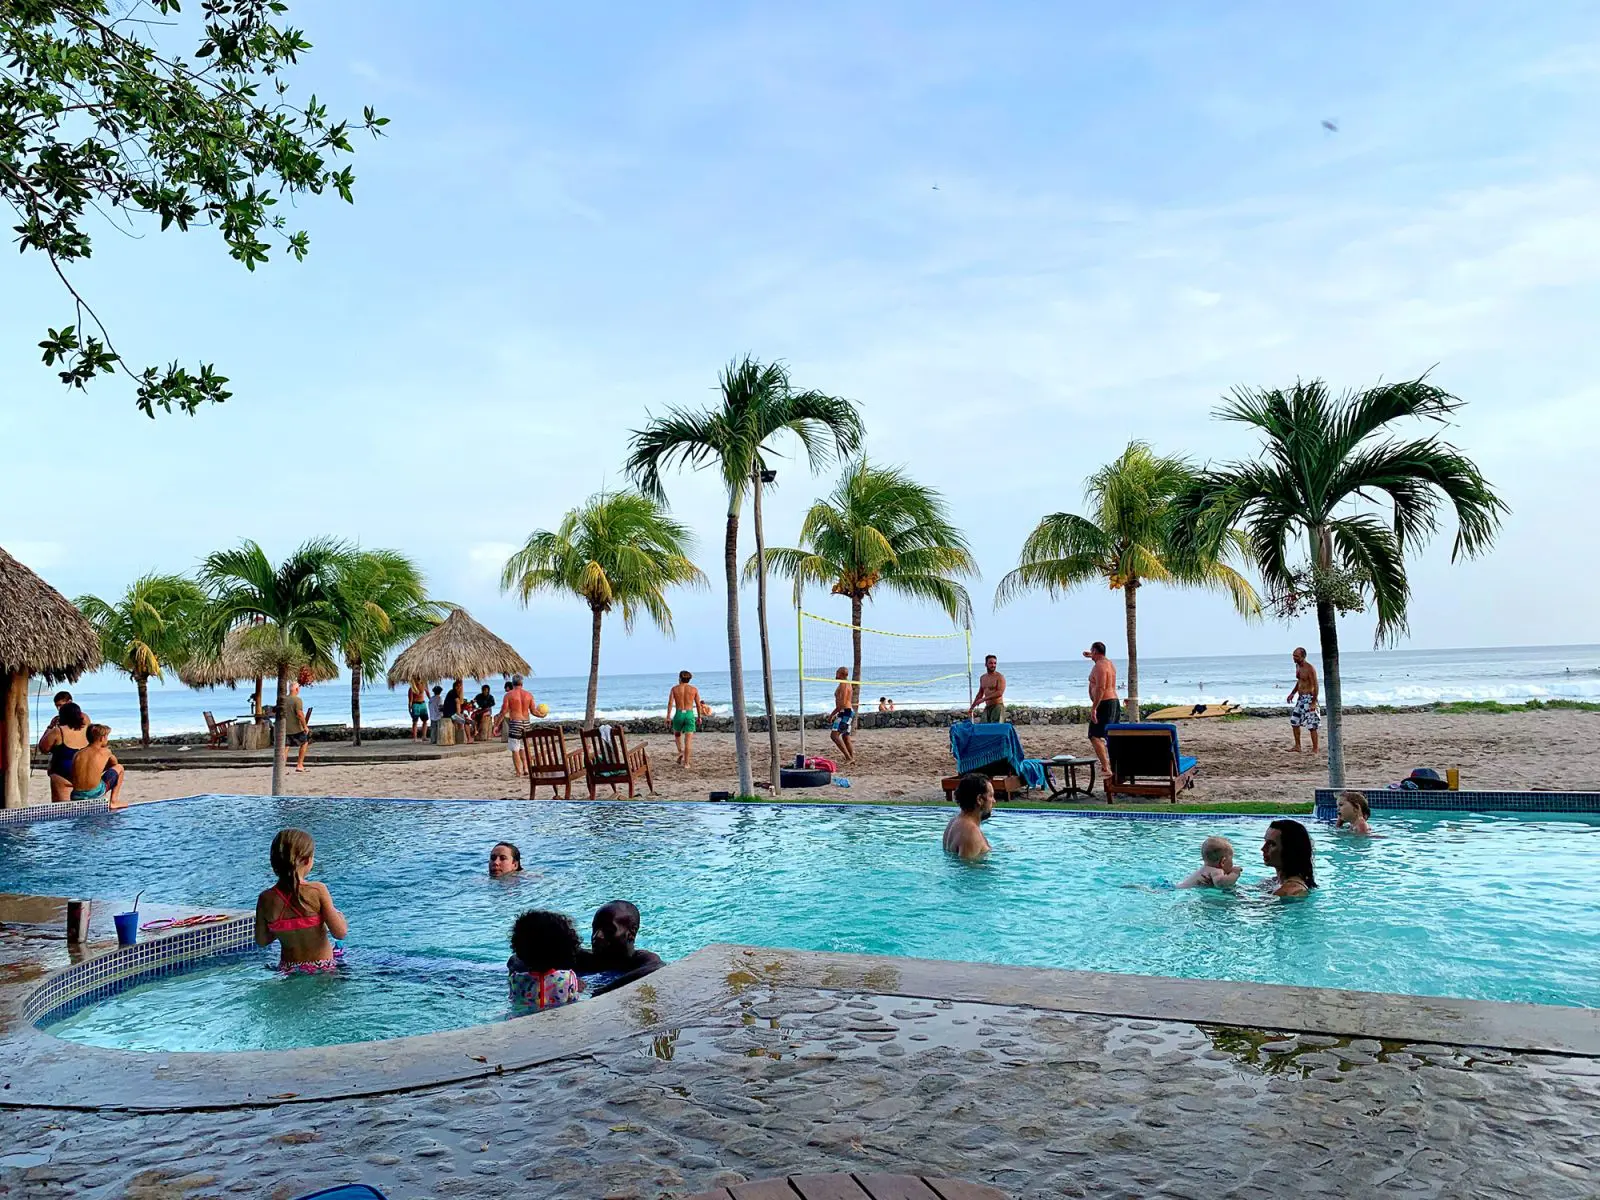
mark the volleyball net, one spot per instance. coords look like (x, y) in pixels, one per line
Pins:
(912, 669)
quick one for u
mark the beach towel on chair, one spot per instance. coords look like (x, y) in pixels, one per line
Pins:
(983, 747)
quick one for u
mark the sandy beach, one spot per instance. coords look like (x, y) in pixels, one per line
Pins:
(1241, 760)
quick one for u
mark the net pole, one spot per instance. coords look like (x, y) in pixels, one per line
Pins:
(800, 642)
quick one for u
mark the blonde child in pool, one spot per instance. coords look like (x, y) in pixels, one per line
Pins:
(1354, 812)
(1217, 869)
(296, 912)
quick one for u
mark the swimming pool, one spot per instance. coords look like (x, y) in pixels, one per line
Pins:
(1475, 906)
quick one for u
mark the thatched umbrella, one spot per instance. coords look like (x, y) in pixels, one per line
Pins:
(457, 648)
(246, 657)
(41, 633)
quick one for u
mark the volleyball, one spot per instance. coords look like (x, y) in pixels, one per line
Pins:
(542, 710)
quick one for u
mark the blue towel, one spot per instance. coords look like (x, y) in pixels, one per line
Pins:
(977, 746)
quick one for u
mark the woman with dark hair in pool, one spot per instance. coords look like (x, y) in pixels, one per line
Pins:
(1287, 850)
(504, 859)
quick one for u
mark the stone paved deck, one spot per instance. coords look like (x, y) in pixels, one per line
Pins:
(769, 1077)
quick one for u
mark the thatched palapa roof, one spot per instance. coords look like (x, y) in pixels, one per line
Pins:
(248, 652)
(457, 648)
(41, 631)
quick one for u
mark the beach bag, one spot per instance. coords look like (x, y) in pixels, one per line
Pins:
(821, 764)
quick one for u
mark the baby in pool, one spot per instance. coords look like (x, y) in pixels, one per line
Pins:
(542, 971)
(1217, 867)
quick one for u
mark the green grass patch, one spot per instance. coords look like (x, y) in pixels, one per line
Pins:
(1496, 706)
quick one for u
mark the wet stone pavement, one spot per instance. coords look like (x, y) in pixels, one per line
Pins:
(786, 1079)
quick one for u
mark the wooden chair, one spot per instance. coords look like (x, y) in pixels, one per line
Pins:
(550, 763)
(1147, 751)
(218, 731)
(607, 760)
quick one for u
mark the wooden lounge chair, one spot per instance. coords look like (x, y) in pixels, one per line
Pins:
(550, 763)
(608, 760)
(1147, 751)
(218, 731)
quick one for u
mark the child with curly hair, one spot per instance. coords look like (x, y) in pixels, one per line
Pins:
(544, 956)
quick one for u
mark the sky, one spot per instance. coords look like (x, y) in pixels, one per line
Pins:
(1018, 237)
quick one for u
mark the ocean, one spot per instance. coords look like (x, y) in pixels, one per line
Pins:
(1399, 677)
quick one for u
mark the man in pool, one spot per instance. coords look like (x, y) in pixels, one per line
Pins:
(96, 771)
(964, 835)
(612, 952)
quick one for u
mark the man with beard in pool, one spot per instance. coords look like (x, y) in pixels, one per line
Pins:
(611, 951)
(963, 837)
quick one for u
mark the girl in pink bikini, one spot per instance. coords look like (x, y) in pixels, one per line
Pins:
(296, 913)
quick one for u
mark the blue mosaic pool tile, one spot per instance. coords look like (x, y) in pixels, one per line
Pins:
(1404, 800)
(116, 970)
(53, 812)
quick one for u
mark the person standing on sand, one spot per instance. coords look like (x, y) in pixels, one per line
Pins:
(417, 706)
(514, 718)
(843, 716)
(683, 715)
(295, 731)
(1304, 698)
(991, 693)
(1104, 707)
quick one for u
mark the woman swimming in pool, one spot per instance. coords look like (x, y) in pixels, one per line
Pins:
(297, 913)
(1287, 850)
(504, 859)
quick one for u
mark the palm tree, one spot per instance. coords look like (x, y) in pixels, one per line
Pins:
(1129, 539)
(291, 609)
(381, 601)
(150, 628)
(757, 404)
(879, 529)
(617, 550)
(1320, 454)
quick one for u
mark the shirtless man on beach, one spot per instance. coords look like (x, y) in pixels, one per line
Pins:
(843, 715)
(683, 715)
(516, 710)
(991, 693)
(1104, 707)
(1304, 698)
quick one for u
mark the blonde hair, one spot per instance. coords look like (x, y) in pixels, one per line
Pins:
(1214, 849)
(1359, 801)
(291, 849)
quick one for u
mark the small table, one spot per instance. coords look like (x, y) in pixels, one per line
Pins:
(1069, 765)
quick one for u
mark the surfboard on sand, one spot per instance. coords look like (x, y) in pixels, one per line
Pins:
(1182, 712)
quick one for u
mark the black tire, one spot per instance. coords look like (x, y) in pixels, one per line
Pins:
(803, 777)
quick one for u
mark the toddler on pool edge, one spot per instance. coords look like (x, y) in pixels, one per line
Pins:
(541, 972)
(1218, 869)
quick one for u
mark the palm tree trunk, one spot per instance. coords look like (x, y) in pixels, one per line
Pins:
(1328, 629)
(258, 695)
(856, 605)
(766, 646)
(355, 701)
(741, 726)
(1130, 608)
(280, 748)
(594, 669)
(142, 682)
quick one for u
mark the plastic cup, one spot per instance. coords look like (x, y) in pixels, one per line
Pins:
(127, 928)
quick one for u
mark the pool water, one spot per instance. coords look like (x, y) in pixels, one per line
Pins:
(1481, 906)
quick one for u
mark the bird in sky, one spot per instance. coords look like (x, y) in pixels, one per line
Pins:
(1330, 125)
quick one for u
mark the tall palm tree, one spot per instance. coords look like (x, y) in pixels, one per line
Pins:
(757, 404)
(616, 550)
(1128, 540)
(291, 610)
(380, 601)
(879, 529)
(1321, 454)
(151, 627)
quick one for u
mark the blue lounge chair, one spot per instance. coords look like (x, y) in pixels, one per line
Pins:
(1145, 761)
(348, 1191)
(993, 749)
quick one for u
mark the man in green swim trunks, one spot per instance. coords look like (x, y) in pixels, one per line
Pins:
(683, 711)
